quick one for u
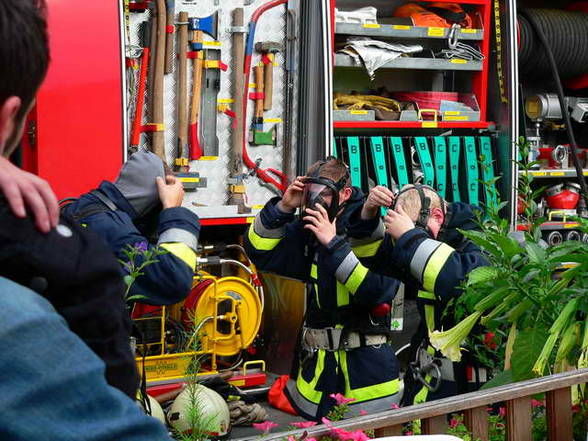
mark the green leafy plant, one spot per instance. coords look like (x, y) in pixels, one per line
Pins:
(136, 258)
(533, 297)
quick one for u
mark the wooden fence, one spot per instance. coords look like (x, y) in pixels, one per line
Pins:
(433, 415)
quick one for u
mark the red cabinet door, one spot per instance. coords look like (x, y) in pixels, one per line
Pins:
(78, 119)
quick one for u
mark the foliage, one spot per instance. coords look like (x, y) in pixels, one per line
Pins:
(136, 258)
(524, 297)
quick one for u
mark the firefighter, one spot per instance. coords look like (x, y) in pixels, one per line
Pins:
(142, 202)
(424, 249)
(343, 347)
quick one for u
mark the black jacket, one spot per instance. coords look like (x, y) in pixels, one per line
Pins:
(73, 269)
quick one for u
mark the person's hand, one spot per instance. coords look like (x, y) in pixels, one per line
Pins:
(171, 191)
(318, 222)
(379, 196)
(398, 222)
(24, 190)
(292, 196)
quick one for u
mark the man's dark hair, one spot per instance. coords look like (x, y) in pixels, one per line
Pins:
(24, 50)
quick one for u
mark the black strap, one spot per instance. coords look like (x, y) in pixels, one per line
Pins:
(105, 204)
(446, 14)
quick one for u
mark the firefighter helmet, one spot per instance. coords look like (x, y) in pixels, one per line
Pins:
(156, 410)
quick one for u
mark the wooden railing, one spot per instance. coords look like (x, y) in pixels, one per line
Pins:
(433, 415)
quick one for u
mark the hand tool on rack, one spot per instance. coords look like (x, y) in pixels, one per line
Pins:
(182, 161)
(257, 136)
(157, 91)
(137, 128)
(236, 179)
(169, 36)
(278, 180)
(209, 102)
(193, 134)
(208, 25)
(152, 49)
(268, 50)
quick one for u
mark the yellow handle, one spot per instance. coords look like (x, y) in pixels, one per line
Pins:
(433, 111)
(253, 363)
(565, 216)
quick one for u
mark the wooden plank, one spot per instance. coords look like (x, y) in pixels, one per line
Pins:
(389, 431)
(445, 406)
(518, 420)
(559, 415)
(476, 420)
(435, 425)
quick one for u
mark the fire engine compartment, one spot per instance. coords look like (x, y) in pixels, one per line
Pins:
(503, 100)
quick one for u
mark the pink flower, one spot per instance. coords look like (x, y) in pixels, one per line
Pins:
(266, 426)
(310, 439)
(344, 435)
(453, 423)
(409, 433)
(489, 341)
(291, 438)
(394, 406)
(363, 412)
(536, 403)
(576, 408)
(341, 399)
(303, 424)
(502, 411)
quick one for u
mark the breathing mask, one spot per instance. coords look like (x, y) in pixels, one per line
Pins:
(425, 211)
(322, 191)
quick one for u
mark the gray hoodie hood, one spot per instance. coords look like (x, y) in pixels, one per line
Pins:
(136, 181)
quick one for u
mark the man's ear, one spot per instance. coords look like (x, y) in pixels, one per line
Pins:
(8, 112)
(438, 215)
(347, 192)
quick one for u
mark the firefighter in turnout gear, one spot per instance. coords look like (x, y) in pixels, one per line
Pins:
(423, 248)
(343, 346)
(142, 203)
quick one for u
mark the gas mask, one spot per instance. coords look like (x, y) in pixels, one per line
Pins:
(425, 212)
(322, 191)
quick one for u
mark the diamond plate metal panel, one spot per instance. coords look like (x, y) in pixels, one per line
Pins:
(211, 201)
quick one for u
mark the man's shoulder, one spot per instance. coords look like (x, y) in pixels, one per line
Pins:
(66, 246)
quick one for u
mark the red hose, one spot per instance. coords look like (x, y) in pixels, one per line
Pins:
(280, 180)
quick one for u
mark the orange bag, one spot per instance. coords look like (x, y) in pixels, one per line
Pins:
(277, 398)
(438, 14)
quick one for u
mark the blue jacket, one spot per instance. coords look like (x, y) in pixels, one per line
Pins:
(165, 282)
(53, 387)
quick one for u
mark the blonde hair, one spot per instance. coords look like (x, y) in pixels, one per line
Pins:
(331, 168)
(410, 200)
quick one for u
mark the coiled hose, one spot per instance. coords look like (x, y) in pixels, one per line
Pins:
(567, 34)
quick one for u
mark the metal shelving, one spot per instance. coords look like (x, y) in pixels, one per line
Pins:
(342, 60)
(555, 173)
(404, 31)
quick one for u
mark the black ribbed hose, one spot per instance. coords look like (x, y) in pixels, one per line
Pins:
(533, 21)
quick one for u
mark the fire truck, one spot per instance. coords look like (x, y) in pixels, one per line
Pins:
(241, 96)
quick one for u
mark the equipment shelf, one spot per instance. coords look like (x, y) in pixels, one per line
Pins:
(555, 173)
(403, 31)
(412, 125)
(342, 60)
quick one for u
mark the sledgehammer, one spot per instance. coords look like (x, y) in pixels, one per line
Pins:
(268, 49)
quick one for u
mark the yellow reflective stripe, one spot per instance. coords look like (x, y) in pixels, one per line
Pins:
(421, 397)
(316, 294)
(366, 393)
(307, 389)
(367, 250)
(356, 278)
(426, 295)
(181, 251)
(342, 295)
(262, 243)
(314, 272)
(430, 317)
(434, 266)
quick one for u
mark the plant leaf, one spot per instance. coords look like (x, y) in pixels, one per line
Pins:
(526, 350)
(500, 379)
(482, 274)
(535, 252)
